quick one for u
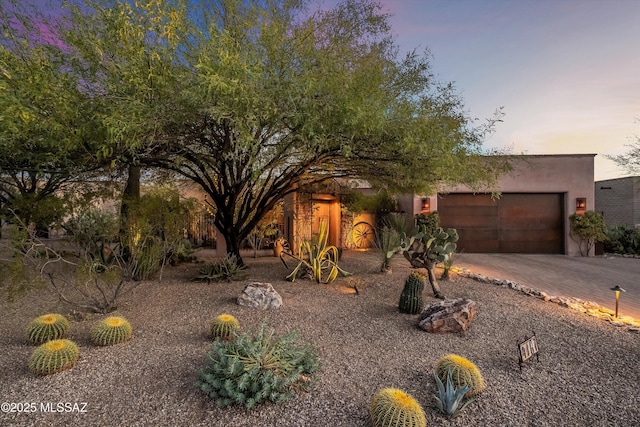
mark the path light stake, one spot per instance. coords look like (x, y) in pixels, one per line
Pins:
(617, 289)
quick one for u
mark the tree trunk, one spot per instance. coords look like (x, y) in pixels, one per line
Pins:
(431, 266)
(233, 245)
(130, 197)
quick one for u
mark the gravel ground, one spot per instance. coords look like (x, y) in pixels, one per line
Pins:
(587, 375)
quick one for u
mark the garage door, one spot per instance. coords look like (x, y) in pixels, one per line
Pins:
(515, 223)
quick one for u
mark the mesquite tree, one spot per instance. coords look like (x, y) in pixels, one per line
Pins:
(253, 99)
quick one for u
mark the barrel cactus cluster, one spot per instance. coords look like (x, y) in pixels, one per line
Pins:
(411, 297)
(463, 372)
(394, 407)
(224, 327)
(110, 331)
(47, 327)
(53, 356)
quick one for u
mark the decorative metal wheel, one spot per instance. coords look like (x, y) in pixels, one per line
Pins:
(363, 235)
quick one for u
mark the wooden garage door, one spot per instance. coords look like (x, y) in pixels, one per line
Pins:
(515, 223)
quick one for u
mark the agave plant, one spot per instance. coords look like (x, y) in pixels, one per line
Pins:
(449, 399)
(317, 258)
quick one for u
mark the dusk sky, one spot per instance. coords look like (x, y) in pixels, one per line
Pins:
(566, 71)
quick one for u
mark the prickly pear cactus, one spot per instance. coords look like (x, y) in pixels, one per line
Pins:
(393, 407)
(224, 327)
(46, 328)
(110, 331)
(411, 297)
(53, 356)
(463, 372)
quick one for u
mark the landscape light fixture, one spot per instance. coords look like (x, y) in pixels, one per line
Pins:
(581, 205)
(617, 289)
(426, 205)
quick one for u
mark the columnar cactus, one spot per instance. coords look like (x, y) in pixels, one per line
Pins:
(112, 330)
(393, 407)
(224, 327)
(463, 372)
(411, 297)
(53, 356)
(46, 328)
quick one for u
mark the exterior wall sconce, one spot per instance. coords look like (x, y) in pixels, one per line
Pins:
(617, 289)
(581, 205)
(426, 205)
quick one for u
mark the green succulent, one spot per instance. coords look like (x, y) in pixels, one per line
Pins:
(449, 399)
(53, 356)
(112, 330)
(411, 297)
(224, 327)
(47, 327)
(393, 407)
(463, 372)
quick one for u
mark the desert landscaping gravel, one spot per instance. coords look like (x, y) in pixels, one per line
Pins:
(588, 373)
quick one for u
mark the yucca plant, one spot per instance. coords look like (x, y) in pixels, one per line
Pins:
(53, 356)
(449, 399)
(47, 327)
(463, 372)
(224, 269)
(395, 408)
(316, 258)
(110, 331)
(224, 327)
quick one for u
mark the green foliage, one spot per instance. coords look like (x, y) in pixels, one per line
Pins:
(110, 331)
(431, 221)
(425, 250)
(587, 229)
(395, 408)
(389, 237)
(462, 371)
(381, 203)
(257, 367)
(224, 269)
(53, 356)
(449, 399)
(622, 240)
(155, 230)
(91, 227)
(47, 327)
(224, 327)
(316, 258)
(411, 297)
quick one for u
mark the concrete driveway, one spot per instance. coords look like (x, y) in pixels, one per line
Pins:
(560, 275)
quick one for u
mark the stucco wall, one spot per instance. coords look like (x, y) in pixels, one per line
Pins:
(571, 175)
(619, 200)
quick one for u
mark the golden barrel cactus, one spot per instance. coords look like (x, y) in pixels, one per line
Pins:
(53, 356)
(463, 372)
(47, 327)
(224, 327)
(393, 407)
(110, 331)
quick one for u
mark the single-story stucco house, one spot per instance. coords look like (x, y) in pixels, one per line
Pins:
(530, 216)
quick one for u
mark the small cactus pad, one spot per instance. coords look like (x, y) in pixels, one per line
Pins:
(53, 356)
(393, 407)
(112, 330)
(463, 372)
(46, 328)
(224, 327)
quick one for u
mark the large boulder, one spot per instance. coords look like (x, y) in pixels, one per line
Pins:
(260, 295)
(448, 316)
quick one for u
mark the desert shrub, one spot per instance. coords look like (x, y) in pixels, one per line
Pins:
(389, 238)
(463, 372)
(110, 331)
(257, 367)
(587, 229)
(92, 226)
(621, 239)
(224, 327)
(53, 356)
(47, 327)
(395, 408)
(224, 269)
